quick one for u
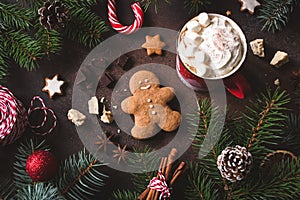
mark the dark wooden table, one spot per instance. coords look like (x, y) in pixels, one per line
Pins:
(65, 140)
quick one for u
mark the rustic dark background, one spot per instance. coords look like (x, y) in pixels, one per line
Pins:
(65, 141)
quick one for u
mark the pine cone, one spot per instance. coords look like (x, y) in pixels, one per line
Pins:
(53, 15)
(234, 163)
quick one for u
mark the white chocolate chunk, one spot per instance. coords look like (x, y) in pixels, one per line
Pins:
(93, 106)
(203, 19)
(76, 117)
(277, 82)
(280, 58)
(193, 26)
(257, 47)
(107, 116)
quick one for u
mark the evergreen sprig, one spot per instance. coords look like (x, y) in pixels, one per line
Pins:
(21, 178)
(39, 191)
(13, 16)
(146, 4)
(275, 14)
(125, 195)
(91, 26)
(264, 123)
(144, 161)
(292, 131)
(282, 182)
(26, 41)
(80, 176)
(194, 6)
(7, 189)
(200, 185)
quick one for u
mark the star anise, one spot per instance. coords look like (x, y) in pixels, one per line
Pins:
(120, 154)
(103, 142)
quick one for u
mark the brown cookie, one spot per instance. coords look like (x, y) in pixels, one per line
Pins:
(149, 106)
(153, 45)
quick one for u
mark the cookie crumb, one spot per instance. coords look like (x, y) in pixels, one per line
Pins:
(277, 82)
(115, 107)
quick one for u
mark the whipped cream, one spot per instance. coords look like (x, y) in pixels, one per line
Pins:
(210, 46)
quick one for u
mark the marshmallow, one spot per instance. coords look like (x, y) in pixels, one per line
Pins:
(190, 51)
(193, 26)
(203, 19)
(201, 57)
(192, 38)
(201, 69)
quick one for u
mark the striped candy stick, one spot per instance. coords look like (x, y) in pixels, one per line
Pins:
(113, 19)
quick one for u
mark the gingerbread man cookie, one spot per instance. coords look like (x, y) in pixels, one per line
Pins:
(149, 106)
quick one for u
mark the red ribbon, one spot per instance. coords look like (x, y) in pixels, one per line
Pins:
(159, 184)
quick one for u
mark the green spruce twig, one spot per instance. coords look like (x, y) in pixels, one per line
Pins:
(264, 120)
(124, 195)
(80, 176)
(21, 178)
(39, 191)
(275, 14)
(7, 189)
(200, 185)
(194, 6)
(146, 4)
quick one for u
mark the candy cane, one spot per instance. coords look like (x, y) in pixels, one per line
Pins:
(112, 17)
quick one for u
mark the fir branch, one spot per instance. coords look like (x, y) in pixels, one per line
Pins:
(200, 185)
(50, 41)
(146, 161)
(91, 26)
(3, 62)
(275, 14)
(125, 195)
(292, 131)
(282, 182)
(207, 133)
(39, 191)
(81, 3)
(22, 48)
(195, 5)
(80, 176)
(26, 148)
(264, 119)
(7, 189)
(13, 16)
(146, 4)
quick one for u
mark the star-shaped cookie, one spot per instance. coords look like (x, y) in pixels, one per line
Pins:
(53, 86)
(249, 5)
(153, 45)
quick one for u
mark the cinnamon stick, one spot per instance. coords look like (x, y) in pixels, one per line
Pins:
(171, 159)
(163, 170)
(146, 192)
(180, 169)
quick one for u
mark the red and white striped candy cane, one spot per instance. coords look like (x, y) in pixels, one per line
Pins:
(113, 19)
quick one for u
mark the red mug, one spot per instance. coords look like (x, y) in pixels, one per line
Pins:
(234, 82)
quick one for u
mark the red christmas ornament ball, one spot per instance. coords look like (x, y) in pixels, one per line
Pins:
(41, 166)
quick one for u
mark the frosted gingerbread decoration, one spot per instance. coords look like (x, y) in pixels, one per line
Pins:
(149, 106)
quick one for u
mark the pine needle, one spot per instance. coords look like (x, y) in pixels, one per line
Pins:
(275, 14)
(80, 176)
(194, 6)
(124, 195)
(26, 148)
(146, 4)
